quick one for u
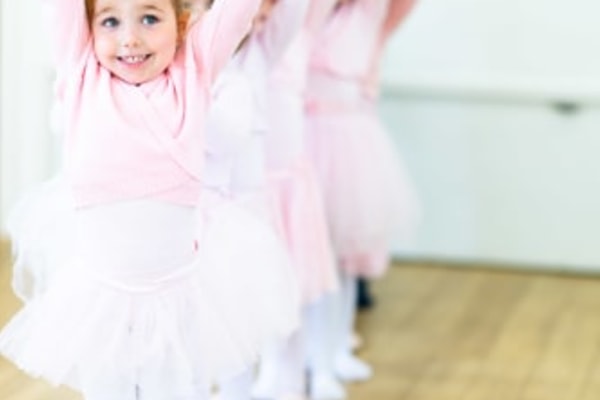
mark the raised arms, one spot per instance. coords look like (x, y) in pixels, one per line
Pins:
(397, 12)
(69, 31)
(318, 12)
(284, 23)
(216, 36)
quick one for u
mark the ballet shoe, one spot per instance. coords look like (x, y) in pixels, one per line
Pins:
(349, 368)
(326, 387)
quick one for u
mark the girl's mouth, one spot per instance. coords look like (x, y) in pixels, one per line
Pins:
(134, 60)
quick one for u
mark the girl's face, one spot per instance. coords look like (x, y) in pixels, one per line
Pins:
(263, 14)
(136, 40)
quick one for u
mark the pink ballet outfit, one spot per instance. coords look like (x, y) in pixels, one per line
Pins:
(368, 195)
(291, 190)
(294, 183)
(143, 284)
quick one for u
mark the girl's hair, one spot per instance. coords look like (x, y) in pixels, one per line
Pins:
(183, 11)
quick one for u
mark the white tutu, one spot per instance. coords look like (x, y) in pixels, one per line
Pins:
(145, 292)
(41, 237)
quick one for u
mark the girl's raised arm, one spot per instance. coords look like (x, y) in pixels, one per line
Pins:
(69, 32)
(216, 36)
(282, 26)
(318, 12)
(397, 11)
(375, 9)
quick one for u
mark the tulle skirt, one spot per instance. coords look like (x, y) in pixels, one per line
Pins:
(40, 229)
(302, 223)
(146, 289)
(369, 196)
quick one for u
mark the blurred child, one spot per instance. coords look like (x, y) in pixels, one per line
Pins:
(368, 195)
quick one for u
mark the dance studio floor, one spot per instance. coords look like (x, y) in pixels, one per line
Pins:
(440, 333)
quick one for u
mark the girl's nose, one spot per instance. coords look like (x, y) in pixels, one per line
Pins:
(130, 37)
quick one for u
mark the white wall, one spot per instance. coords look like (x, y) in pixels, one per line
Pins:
(509, 183)
(26, 144)
(497, 43)
(472, 87)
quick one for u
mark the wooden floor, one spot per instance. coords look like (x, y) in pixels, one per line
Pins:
(448, 334)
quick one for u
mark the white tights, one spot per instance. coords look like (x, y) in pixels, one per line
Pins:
(330, 358)
(331, 324)
(282, 369)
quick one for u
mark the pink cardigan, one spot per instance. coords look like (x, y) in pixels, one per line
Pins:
(353, 38)
(124, 141)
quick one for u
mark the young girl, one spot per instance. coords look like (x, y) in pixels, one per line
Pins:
(298, 200)
(236, 169)
(277, 24)
(367, 193)
(151, 303)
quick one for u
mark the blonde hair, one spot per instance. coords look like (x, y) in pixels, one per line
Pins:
(183, 11)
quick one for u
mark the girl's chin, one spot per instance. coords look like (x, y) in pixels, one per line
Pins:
(133, 80)
(136, 78)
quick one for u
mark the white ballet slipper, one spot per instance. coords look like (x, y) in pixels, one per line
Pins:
(350, 368)
(326, 387)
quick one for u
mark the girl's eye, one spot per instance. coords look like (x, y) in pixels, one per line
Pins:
(110, 22)
(149, 19)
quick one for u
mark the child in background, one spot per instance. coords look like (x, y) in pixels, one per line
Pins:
(296, 204)
(149, 303)
(238, 122)
(368, 196)
(298, 201)
(396, 14)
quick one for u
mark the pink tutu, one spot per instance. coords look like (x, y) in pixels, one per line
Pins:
(155, 289)
(301, 221)
(368, 195)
